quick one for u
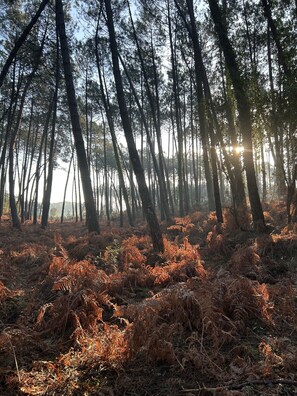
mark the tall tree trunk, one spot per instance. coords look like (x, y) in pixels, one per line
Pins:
(156, 123)
(29, 196)
(148, 208)
(192, 29)
(13, 136)
(22, 181)
(275, 34)
(161, 179)
(244, 113)
(290, 81)
(233, 160)
(214, 166)
(263, 171)
(91, 214)
(163, 187)
(80, 205)
(106, 189)
(12, 143)
(65, 188)
(38, 165)
(87, 120)
(49, 181)
(11, 178)
(177, 110)
(193, 144)
(113, 134)
(3, 160)
(281, 178)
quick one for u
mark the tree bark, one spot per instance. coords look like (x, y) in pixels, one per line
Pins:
(91, 214)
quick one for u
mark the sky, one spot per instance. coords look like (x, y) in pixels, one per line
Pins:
(59, 181)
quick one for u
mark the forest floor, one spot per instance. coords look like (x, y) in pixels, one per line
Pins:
(86, 314)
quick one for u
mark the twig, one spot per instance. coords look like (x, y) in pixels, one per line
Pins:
(243, 384)
(202, 335)
(15, 358)
(182, 367)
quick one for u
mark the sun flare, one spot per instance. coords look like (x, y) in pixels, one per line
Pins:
(238, 149)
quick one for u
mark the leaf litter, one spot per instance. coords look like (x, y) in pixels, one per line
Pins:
(103, 315)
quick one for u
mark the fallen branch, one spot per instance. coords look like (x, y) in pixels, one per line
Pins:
(243, 384)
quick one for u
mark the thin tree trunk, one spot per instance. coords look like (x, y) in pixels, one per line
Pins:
(156, 123)
(148, 209)
(113, 136)
(148, 137)
(192, 29)
(106, 192)
(79, 196)
(233, 160)
(275, 34)
(180, 152)
(49, 181)
(193, 148)
(164, 191)
(3, 159)
(281, 178)
(38, 166)
(13, 136)
(215, 178)
(65, 189)
(263, 171)
(29, 201)
(25, 167)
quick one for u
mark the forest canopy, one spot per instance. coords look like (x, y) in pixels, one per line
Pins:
(155, 107)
